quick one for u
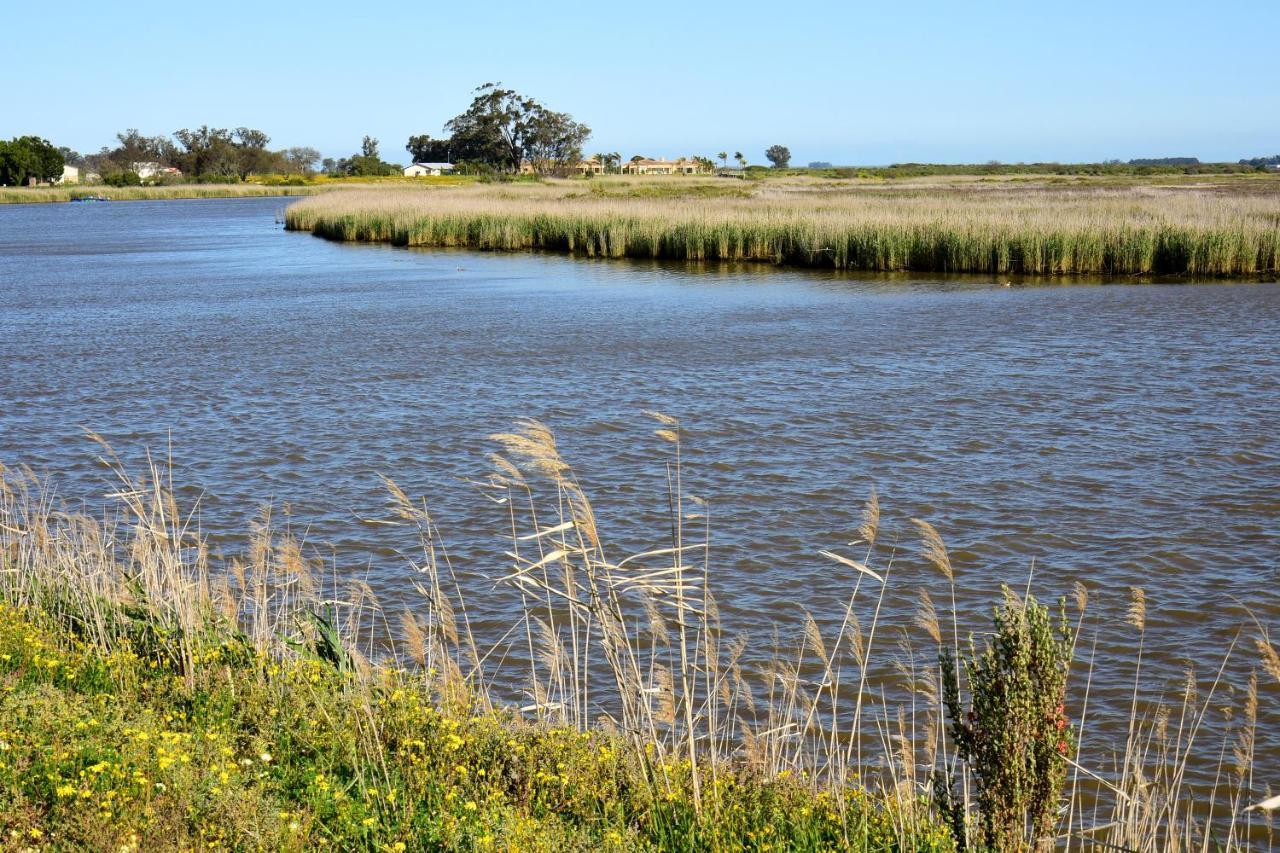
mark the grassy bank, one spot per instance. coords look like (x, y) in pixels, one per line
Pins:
(40, 195)
(152, 696)
(1225, 227)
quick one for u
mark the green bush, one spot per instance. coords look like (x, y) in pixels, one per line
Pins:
(1014, 735)
(122, 179)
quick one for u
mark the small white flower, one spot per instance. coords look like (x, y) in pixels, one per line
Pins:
(265, 757)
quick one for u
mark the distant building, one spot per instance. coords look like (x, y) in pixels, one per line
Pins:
(1273, 167)
(645, 166)
(151, 170)
(70, 175)
(418, 170)
(591, 166)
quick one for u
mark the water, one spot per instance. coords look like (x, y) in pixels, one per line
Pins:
(1118, 435)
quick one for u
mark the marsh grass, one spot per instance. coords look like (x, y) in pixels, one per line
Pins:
(155, 695)
(1228, 229)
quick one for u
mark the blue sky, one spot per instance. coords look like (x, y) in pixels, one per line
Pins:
(844, 82)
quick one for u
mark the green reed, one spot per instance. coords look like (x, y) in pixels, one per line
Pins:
(1011, 230)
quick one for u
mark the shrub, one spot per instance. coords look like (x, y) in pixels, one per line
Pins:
(1015, 735)
(122, 179)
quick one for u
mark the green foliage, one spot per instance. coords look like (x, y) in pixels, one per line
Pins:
(122, 179)
(107, 751)
(1014, 735)
(27, 158)
(504, 129)
(779, 156)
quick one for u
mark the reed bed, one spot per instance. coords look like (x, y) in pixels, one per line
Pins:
(1202, 230)
(153, 695)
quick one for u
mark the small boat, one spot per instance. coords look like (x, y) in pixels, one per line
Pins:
(89, 198)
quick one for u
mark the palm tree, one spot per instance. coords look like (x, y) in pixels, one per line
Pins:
(615, 159)
(742, 161)
(603, 160)
(724, 158)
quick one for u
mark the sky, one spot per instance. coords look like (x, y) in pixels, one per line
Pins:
(844, 82)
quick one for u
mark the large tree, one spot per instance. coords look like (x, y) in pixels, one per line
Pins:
(209, 151)
(779, 156)
(29, 157)
(424, 149)
(302, 159)
(503, 128)
(252, 156)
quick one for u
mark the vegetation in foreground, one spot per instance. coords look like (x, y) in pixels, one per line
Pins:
(150, 700)
(1049, 226)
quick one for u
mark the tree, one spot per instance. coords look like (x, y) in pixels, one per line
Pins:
(301, 159)
(367, 163)
(779, 156)
(252, 156)
(724, 158)
(424, 149)
(742, 161)
(209, 151)
(503, 128)
(29, 157)
(553, 141)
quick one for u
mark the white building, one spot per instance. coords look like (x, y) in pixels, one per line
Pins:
(70, 175)
(418, 170)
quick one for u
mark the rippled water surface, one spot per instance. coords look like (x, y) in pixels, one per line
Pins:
(1118, 435)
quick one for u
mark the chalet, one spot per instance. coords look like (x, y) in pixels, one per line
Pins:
(419, 170)
(70, 175)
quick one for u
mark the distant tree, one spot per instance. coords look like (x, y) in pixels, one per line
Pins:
(724, 158)
(252, 156)
(503, 128)
(1165, 161)
(779, 156)
(367, 163)
(301, 159)
(28, 158)
(613, 160)
(742, 161)
(71, 157)
(329, 165)
(424, 149)
(208, 151)
(636, 158)
(16, 164)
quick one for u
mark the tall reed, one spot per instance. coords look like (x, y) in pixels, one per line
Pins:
(632, 647)
(962, 227)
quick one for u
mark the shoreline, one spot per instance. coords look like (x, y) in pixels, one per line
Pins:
(1147, 232)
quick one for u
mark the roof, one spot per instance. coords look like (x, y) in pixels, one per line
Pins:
(433, 165)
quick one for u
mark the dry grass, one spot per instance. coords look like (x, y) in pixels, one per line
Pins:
(39, 195)
(628, 645)
(1224, 228)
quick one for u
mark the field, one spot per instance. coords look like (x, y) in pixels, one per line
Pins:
(1215, 226)
(152, 695)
